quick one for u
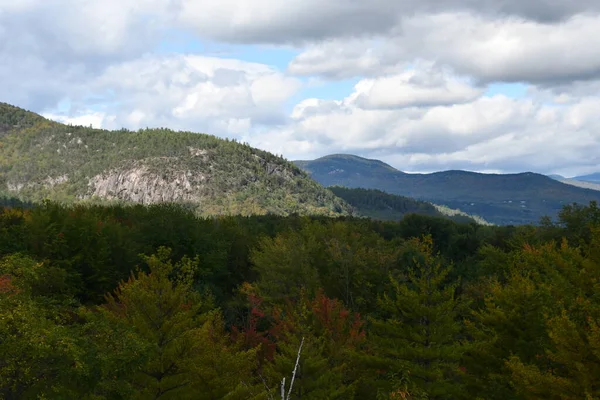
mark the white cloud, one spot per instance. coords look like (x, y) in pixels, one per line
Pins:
(268, 21)
(299, 21)
(488, 49)
(413, 88)
(219, 96)
(87, 118)
(488, 133)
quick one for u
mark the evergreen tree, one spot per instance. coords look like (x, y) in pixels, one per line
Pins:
(165, 313)
(419, 333)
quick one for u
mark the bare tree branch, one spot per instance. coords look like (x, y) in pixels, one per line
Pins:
(293, 375)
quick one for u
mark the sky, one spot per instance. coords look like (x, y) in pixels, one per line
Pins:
(425, 85)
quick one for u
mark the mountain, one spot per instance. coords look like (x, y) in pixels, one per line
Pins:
(380, 205)
(498, 198)
(595, 177)
(578, 183)
(42, 159)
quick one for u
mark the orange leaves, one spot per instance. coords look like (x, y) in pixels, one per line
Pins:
(399, 394)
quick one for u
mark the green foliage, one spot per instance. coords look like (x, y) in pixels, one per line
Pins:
(348, 262)
(38, 355)
(419, 331)
(380, 205)
(164, 313)
(40, 159)
(574, 361)
(422, 308)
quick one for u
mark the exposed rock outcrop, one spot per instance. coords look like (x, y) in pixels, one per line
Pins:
(140, 184)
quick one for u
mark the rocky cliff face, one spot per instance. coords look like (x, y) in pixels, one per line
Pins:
(142, 185)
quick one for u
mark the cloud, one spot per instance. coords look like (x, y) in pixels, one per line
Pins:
(413, 88)
(88, 118)
(486, 134)
(301, 21)
(268, 21)
(219, 96)
(485, 48)
(48, 48)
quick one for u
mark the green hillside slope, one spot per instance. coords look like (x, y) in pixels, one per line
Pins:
(45, 159)
(379, 205)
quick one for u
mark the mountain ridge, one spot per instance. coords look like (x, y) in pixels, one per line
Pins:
(42, 159)
(498, 198)
(594, 178)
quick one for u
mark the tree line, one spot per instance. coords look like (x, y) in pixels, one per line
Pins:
(126, 302)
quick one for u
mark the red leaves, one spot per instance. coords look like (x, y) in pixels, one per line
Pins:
(322, 316)
(6, 286)
(336, 320)
(250, 335)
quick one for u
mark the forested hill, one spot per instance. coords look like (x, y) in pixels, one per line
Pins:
(42, 159)
(498, 198)
(383, 206)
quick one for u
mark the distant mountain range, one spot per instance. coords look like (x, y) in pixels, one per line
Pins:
(498, 198)
(578, 181)
(595, 177)
(42, 159)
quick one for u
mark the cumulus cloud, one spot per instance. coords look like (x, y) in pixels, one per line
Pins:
(413, 88)
(486, 134)
(488, 49)
(299, 21)
(219, 96)
(94, 119)
(49, 47)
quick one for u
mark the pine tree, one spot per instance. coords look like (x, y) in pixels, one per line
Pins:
(164, 312)
(417, 340)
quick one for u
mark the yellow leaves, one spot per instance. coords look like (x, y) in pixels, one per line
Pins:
(400, 394)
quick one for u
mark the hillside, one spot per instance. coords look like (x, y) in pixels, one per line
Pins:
(380, 205)
(44, 159)
(498, 198)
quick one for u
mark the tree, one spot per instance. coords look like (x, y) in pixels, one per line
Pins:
(418, 335)
(572, 365)
(165, 313)
(568, 366)
(328, 333)
(222, 369)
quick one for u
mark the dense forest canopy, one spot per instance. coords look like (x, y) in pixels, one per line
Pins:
(153, 302)
(377, 204)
